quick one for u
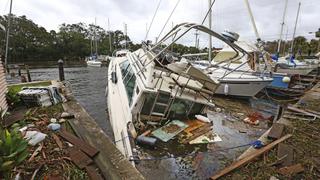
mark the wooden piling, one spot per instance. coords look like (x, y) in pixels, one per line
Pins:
(28, 73)
(61, 70)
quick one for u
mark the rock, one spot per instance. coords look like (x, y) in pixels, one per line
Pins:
(53, 120)
(66, 115)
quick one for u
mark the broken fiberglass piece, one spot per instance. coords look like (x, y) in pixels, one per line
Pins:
(170, 130)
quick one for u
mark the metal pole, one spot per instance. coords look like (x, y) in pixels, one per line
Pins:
(7, 37)
(252, 20)
(295, 27)
(210, 38)
(282, 24)
(196, 42)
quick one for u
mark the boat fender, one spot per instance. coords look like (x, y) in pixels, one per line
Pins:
(226, 89)
(144, 140)
(202, 118)
(114, 78)
(286, 79)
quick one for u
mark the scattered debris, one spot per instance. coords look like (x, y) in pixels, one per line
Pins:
(54, 126)
(250, 157)
(170, 130)
(34, 137)
(291, 170)
(85, 147)
(276, 131)
(66, 115)
(79, 158)
(287, 152)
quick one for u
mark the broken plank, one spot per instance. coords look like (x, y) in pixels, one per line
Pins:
(276, 131)
(57, 140)
(287, 151)
(79, 158)
(291, 170)
(85, 147)
(302, 111)
(92, 173)
(250, 157)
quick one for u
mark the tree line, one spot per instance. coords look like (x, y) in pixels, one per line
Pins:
(31, 42)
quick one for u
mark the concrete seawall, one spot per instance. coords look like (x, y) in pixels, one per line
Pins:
(110, 161)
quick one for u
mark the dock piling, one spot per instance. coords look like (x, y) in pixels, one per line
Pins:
(61, 70)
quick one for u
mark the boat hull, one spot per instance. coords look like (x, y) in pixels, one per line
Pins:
(241, 89)
(94, 64)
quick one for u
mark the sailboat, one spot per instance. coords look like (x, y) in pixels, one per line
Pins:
(289, 64)
(93, 60)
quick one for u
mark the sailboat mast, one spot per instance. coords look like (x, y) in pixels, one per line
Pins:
(7, 36)
(282, 25)
(295, 28)
(210, 24)
(95, 35)
(252, 20)
(110, 41)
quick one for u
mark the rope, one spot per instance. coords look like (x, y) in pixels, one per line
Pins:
(256, 144)
(154, 15)
(208, 12)
(169, 17)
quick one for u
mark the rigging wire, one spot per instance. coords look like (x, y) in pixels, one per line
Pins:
(154, 15)
(169, 18)
(208, 12)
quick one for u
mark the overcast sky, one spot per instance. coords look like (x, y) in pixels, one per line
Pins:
(227, 14)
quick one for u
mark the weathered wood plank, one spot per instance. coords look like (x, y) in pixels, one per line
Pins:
(85, 147)
(276, 131)
(92, 173)
(57, 140)
(291, 170)
(250, 157)
(285, 151)
(79, 158)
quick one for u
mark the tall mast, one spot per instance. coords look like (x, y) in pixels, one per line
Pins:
(110, 41)
(295, 28)
(95, 35)
(7, 36)
(252, 20)
(282, 25)
(125, 35)
(210, 24)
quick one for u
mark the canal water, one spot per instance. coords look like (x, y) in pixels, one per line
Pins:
(88, 86)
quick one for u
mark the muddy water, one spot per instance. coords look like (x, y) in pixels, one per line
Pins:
(190, 162)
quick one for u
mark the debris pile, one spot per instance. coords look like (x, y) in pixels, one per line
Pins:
(53, 152)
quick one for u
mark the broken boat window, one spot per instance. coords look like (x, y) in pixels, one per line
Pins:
(130, 88)
(124, 66)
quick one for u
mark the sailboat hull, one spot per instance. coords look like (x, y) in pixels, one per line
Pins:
(241, 89)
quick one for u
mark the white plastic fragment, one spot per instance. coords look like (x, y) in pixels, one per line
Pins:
(54, 126)
(34, 137)
(53, 120)
(202, 118)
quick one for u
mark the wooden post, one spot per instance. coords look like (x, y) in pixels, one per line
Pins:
(28, 73)
(61, 70)
(19, 70)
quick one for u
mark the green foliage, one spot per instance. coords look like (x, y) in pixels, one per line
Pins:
(13, 150)
(30, 42)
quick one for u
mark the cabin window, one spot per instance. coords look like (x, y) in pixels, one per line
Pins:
(130, 88)
(180, 108)
(124, 67)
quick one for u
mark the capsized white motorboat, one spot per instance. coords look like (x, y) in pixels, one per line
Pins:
(144, 85)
